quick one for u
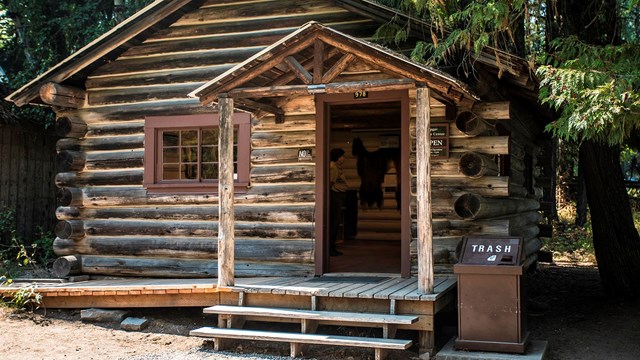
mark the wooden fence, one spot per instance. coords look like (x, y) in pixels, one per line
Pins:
(27, 171)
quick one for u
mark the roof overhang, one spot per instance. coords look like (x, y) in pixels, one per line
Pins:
(305, 61)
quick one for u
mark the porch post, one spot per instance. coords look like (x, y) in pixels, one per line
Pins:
(423, 156)
(225, 193)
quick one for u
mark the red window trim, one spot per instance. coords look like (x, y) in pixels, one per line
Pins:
(151, 150)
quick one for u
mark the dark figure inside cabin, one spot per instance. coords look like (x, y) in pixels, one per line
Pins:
(338, 193)
(372, 167)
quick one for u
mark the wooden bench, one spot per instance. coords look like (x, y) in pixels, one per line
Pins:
(379, 345)
(231, 318)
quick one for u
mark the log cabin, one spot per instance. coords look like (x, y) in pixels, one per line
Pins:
(196, 137)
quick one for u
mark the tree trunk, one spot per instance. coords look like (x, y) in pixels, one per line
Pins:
(615, 239)
(581, 199)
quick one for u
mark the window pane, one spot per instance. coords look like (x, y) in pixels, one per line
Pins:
(170, 155)
(170, 138)
(209, 171)
(209, 154)
(189, 137)
(170, 172)
(210, 137)
(189, 171)
(189, 154)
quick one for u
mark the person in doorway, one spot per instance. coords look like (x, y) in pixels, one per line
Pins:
(338, 193)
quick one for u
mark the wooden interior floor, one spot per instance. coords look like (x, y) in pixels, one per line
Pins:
(369, 256)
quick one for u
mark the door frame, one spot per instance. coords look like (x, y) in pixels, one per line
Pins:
(323, 130)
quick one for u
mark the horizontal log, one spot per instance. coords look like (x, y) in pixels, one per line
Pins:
(70, 229)
(476, 165)
(283, 174)
(137, 112)
(184, 268)
(70, 126)
(232, 25)
(131, 127)
(62, 95)
(292, 122)
(526, 232)
(115, 160)
(287, 251)
(516, 190)
(118, 227)
(157, 77)
(68, 160)
(331, 88)
(91, 178)
(102, 143)
(499, 110)
(276, 156)
(141, 94)
(256, 194)
(523, 219)
(491, 145)
(67, 265)
(178, 60)
(472, 124)
(464, 228)
(532, 246)
(69, 196)
(240, 39)
(486, 185)
(251, 213)
(283, 139)
(473, 206)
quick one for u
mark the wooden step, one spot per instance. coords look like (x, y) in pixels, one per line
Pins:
(379, 225)
(294, 338)
(312, 315)
(376, 214)
(378, 236)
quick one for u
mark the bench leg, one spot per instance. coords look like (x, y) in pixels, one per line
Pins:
(389, 331)
(297, 349)
(220, 344)
(380, 354)
(426, 344)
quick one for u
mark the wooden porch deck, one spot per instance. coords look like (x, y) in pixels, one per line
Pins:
(148, 292)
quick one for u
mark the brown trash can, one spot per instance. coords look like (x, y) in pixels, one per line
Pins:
(491, 305)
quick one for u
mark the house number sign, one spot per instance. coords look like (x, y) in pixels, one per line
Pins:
(362, 94)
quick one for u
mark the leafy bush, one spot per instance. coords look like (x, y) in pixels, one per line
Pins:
(15, 252)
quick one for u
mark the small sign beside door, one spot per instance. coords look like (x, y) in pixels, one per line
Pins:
(439, 140)
(305, 155)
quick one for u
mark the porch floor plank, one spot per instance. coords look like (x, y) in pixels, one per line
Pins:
(385, 293)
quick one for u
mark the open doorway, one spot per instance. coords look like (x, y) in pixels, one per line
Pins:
(370, 222)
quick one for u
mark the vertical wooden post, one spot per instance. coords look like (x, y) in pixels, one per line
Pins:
(423, 156)
(225, 193)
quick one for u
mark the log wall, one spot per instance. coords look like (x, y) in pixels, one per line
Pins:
(112, 225)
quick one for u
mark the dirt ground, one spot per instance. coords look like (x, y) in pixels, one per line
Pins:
(566, 307)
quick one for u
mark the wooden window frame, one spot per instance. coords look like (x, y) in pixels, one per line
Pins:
(152, 161)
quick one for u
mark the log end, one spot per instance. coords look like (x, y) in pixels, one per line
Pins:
(67, 265)
(467, 206)
(471, 165)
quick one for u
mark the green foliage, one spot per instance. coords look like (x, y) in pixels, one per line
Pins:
(25, 298)
(16, 253)
(569, 241)
(35, 35)
(595, 88)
